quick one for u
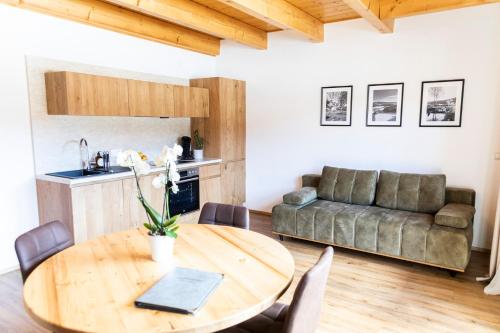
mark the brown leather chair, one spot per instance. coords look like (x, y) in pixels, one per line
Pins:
(303, 314)
(35, 246)
(228, 215)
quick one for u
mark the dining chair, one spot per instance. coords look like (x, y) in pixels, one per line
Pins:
(303, 314)
(222, 214)
(37, 245)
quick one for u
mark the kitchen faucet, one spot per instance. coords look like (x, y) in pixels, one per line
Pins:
(84, 154)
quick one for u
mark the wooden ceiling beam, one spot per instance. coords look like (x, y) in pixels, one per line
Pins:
(390, 9)
(282, 14)
(111, 17)
(370, 11)
(198, 17)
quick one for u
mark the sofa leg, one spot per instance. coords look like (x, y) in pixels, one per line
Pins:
(452, 273)
(281, 237)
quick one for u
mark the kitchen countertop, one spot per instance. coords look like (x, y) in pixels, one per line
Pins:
(123, 175)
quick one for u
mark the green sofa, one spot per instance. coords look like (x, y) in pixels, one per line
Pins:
(409, 216)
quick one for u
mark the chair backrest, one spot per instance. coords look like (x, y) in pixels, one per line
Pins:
(221, 214)
(304, 312)
(35, 246)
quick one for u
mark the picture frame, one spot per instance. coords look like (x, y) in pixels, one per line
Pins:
(336, 106)
(441, 103)
(384, 105)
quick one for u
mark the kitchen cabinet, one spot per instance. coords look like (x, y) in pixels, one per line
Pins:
(224, 132)
(190, 102)
(210, 184)
(95, 209)
(233, 182)
(150, 99)
(181, 101)
(78, 94)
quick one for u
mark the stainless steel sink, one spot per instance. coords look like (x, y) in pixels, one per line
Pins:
(75, 174)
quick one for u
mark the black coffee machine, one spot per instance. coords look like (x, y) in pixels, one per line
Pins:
(187, 154)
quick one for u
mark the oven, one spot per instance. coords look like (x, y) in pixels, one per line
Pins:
(188, 198)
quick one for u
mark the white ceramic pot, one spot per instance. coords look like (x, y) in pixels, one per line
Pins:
(198, 154)
(162, 248)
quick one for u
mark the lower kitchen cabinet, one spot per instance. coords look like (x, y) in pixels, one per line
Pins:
(93, 210)
(233, 177)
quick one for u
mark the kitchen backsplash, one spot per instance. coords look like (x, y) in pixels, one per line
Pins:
(56, 138)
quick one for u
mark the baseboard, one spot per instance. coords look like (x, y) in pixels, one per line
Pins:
(9, 269)
(259, 212)
(480, 249)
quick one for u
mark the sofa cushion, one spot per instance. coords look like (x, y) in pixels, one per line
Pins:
(347, 185)
(411, 192)
(460, 195)
(300, 197)
(455, 215)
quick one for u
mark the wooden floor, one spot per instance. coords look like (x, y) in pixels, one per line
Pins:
(365, 293)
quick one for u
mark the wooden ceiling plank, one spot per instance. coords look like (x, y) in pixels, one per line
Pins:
(390, 9)
(282, 14)
(198, 17)
(111, 17)
(370, 11)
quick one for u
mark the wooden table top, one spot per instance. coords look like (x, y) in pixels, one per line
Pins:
(91, 287)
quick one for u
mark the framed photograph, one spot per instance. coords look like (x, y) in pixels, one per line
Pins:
(441, 103)
(336, 105)
(385, 104)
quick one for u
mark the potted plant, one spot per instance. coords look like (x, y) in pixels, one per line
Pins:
(162, 227)
(198, 146)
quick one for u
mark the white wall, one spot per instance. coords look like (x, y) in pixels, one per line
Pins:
(283, 104)
(30, 34)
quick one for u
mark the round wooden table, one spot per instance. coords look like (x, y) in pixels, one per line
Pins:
(91, 287)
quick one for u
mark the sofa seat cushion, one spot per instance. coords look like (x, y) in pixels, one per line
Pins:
(411, 192)
(300, 197)
(347, 185)
(455, 215)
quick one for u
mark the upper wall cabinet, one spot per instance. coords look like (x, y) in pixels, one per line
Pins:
(80, 94)
(150, 99)
(191, 102)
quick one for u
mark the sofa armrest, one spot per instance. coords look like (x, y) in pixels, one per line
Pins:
(301, 197)
(459, 195)
(310, 180)
(455, 215)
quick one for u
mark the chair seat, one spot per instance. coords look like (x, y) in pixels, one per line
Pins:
(269, 321)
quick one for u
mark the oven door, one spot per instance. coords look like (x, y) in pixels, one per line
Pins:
(187, 199)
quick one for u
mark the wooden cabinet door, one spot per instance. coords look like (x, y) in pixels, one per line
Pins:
(233, 186)
(198, 102)
(233, 112)
(98, 210)
(210, 191)
(134, 212)
(91, 95)
(181, 101)
(150, 99)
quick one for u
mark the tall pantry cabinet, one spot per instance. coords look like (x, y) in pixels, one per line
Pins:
(224, 132)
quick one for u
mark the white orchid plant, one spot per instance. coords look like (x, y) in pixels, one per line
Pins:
(159, 224)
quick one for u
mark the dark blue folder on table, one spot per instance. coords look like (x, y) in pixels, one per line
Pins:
(182, 290)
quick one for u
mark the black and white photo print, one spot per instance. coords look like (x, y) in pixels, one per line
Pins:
(441, 103)
(385, 104)
(336, 105)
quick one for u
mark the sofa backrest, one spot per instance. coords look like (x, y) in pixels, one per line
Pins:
(348, 186)
(412, 192)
